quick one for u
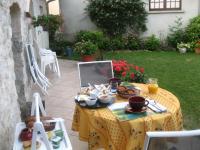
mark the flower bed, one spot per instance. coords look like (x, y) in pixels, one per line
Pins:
(128, 72)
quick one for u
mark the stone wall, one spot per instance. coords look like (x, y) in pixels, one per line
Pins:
(15, 80)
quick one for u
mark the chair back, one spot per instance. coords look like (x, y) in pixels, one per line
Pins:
(36, 74)
(95, 72)
(30, 54)
(173, 140)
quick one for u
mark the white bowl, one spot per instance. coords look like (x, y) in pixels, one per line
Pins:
(91, 102)
(106, 98)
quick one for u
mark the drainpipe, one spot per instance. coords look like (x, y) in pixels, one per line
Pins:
(47, 5)
(199, 8)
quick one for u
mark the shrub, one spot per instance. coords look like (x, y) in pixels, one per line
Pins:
(132, 42)
(93, 36)
(85, 48)
(116, 16)
(193, 29)
(176, 33)
(117, 43)
(50, 23)
(96, 37)
(152, 43)
(60, 44)
(106, 44)
(183, 45)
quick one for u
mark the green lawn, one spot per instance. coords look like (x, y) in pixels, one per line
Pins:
(178, 73)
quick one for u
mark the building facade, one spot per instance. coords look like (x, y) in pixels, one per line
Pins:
(161, 14)
(15, 79)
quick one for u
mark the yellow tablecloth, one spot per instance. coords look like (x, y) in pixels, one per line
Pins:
(101, 129)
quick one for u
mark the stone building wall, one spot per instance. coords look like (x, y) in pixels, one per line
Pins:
(15, 80)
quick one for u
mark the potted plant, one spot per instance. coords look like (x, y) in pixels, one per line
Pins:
(86, 49)
(197, 47)
(128, 72)
(182, 47)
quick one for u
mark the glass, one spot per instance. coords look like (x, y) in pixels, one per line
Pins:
(153, 85)
(113, 85)
(114, 82)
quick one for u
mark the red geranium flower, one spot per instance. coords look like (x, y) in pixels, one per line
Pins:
(123, 74)
(142, 70)
(132, 75)
(125, 69)
(118, 68)
(136, 68)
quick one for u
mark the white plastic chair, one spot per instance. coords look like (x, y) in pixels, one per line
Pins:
(173, 140)
(37, 76)
(95, 72)
(49, 58)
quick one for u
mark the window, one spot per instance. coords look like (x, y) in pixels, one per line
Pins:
(164, 5)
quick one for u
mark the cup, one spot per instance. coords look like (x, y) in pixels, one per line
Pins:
(137, 102)
(153, 85)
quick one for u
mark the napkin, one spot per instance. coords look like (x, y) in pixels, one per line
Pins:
(116, 106)
(155, 106)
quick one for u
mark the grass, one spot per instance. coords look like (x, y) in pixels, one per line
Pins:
(178, 73)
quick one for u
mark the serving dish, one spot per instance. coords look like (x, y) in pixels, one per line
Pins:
(98, 104)
(126, 92)
(106, 98)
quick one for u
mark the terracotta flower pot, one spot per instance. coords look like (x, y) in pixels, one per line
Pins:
(197, 50)
(87, 58)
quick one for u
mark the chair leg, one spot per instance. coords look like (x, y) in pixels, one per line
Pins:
(50, 67)
(42, 66)
(58, 69)
(44, 69)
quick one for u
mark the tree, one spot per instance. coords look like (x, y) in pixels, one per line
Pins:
(116, 17)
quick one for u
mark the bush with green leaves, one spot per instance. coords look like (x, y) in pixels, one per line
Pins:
(132, 42)
(85, 48)
(177, 33)
(193, 29)
(60, 44)
(152, 43)
(115, 17)
(50, 23)
(106, 44)
(117, 43)
(95, 37)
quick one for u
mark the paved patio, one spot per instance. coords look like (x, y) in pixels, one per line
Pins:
(60, 100)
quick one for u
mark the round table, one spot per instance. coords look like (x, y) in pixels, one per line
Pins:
(101, 129)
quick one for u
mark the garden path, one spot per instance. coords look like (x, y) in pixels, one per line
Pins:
(60, 100)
